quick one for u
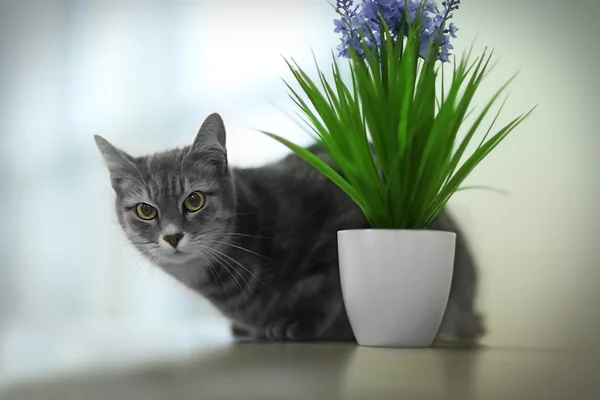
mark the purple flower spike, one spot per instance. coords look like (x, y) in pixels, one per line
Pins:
(452, 30)
(359, 24)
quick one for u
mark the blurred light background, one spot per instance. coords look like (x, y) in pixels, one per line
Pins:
(144, 74)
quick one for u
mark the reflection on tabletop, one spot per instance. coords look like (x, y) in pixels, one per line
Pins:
(336, 371)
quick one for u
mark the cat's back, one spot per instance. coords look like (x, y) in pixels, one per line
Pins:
(295, 197)
(294, 182)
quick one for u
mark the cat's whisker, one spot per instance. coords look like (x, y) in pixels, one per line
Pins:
(133, 244)
(214, 273)
(243, 235)
(146, 262)
(222, 233)
(240, 265)
(209, 232)
(215, 255)
(220, 255)
(209, 252)
(149, 272)
(243, 249)
(240, 274)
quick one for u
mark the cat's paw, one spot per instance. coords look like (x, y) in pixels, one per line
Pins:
(286, 330)
(240, 333)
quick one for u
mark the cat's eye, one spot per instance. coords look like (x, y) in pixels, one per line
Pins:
(194, 202)
(145, 211)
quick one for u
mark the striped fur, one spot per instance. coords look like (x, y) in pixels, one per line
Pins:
(263, 250)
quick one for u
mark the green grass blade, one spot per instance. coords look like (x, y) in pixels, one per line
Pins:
(322, 167)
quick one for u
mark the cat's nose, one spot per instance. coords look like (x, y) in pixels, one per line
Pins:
(173, 239)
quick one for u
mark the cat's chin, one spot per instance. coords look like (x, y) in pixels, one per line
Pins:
(177, 257)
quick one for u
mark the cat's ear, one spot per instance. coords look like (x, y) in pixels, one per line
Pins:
(209, 144)
(118, 162)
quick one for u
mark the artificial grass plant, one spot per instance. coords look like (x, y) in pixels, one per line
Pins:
(393, 130)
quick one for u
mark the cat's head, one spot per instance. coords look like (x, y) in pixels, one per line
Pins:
(176, 203)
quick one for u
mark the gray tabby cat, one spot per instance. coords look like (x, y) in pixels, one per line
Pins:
(259, 243)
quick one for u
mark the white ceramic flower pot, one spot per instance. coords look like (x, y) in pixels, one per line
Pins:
(396, 284)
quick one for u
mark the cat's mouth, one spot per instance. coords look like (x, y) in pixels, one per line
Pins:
(176, 256)
(179, 254)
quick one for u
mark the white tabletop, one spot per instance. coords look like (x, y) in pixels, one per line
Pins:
(333, 371)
